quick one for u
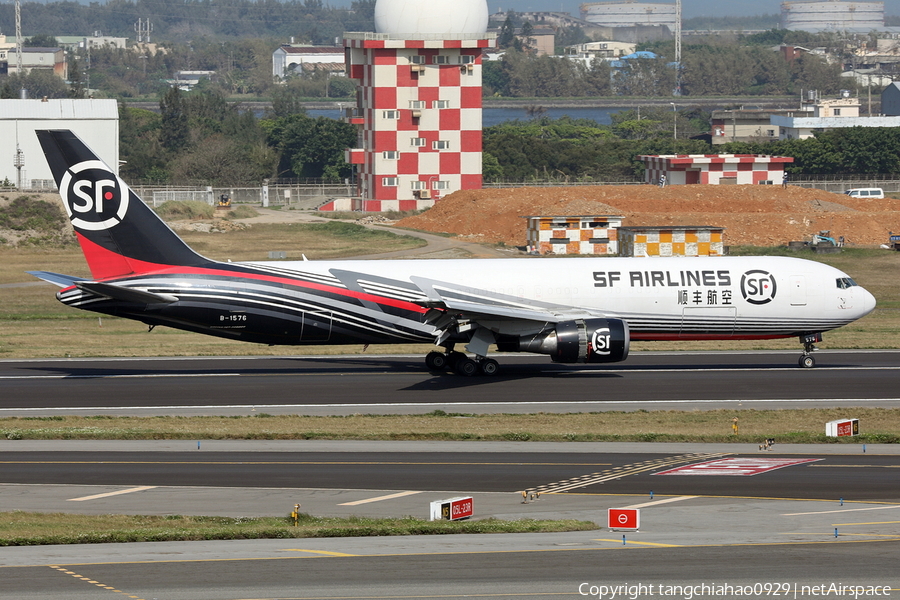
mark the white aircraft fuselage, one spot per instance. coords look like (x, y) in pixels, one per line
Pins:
(576, 310)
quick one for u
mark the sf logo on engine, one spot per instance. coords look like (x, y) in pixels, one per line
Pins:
(601, 341)
(758, 287)
(95, 198)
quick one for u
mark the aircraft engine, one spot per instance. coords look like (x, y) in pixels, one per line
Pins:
(581, 341)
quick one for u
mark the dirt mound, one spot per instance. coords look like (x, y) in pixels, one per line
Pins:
(752, 214)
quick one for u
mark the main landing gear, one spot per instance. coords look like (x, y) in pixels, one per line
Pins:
(806, 359)
(461, 364)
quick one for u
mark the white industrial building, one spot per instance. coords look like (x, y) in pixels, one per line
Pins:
(630, 13)
(294, 59)
(94, 121)
(832, 15)
(827, 114)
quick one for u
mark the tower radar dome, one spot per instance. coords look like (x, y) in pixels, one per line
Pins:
(431, 16)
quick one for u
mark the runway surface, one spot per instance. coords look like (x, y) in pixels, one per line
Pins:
(786, 526)
(798, 521)
(391, 384)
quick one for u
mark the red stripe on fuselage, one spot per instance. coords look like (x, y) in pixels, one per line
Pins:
(108, 266)
(292, 282)
(675, 337)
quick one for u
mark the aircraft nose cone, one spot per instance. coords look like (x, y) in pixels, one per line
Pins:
(868, 301)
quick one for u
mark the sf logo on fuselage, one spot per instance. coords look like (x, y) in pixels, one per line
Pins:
(601, 341)
(95, 198)
(758, 287)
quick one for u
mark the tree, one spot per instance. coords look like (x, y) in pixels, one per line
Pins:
(41, 41)
(507, 34)
(38, 82)
(76, 84)
(311, 147)
(174, 133)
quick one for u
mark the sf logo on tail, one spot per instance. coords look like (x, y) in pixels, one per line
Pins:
(95, 198)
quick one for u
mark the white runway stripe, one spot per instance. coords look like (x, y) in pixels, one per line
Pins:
(108, 494)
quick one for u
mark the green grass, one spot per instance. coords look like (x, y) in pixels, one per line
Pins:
(20, 528)
(878, 425)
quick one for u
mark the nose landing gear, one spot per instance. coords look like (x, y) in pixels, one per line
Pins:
(806, 359)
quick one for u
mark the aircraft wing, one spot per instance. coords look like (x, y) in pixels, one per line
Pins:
(482, 305)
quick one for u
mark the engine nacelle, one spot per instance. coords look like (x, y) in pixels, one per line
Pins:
(582, 341)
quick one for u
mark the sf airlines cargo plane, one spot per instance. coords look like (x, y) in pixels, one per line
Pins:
(576, 310)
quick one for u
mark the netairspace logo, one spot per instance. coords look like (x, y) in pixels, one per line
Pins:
(725, 590)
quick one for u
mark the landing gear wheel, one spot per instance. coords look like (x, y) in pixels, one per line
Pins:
(807, 361)
(489, 366)
(454, 357)
(466, 367)
(436, 361)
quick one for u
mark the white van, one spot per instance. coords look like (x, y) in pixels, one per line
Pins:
(866, 193)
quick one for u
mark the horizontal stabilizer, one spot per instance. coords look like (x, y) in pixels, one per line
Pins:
(127, 294)
(56, 278)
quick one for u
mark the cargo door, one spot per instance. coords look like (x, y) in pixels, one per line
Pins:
(316, 326)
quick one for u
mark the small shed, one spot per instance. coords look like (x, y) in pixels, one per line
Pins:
(672, 240)
(583, 234)
(714, 169)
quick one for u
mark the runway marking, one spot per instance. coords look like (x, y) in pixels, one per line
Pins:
(828, 512)
(630, 542)
(619, 472)
(872, 523)
(859, 466)
(582, 372)
(89, 580)
(279, 462)
(324, 552)
(738, 466)
(665, 501)
(379, 498)
(108, 494)
(831, 534)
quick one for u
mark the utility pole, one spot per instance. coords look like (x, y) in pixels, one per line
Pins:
(18, 37)
(19, 163)
(677, 47)
(143, 30)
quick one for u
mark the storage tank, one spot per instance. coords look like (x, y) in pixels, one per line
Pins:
(832, 15)
(629, 13)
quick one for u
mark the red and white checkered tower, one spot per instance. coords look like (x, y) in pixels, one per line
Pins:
(418, 101)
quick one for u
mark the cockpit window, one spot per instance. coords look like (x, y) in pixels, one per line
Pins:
(845, 282)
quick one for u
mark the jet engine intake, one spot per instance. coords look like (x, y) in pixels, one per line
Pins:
(581, 341)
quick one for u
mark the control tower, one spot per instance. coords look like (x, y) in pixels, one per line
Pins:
(419, 102)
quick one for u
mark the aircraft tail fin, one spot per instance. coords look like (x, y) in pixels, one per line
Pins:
(118, 233)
